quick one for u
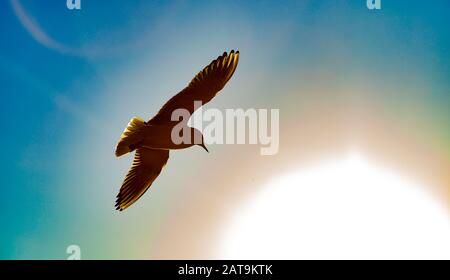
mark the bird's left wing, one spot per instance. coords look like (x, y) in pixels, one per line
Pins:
(147, 165)
(203, 87)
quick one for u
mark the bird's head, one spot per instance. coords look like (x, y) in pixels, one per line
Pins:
(198, 138)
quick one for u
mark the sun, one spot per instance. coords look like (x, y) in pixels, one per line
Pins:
(342, 209)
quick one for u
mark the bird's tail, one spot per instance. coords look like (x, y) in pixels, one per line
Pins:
(131, 136)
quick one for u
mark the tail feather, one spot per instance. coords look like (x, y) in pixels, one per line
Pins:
(130, 136)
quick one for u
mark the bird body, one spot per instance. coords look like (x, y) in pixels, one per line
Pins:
(160, 137)
(153, 139)
(140, 134)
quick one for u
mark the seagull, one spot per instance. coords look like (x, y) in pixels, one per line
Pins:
(152, 141)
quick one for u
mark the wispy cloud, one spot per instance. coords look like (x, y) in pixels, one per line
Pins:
(36, 31)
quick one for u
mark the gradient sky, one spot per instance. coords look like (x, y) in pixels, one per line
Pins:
(342, 76)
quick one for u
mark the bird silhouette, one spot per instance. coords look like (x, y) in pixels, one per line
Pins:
(152, 139)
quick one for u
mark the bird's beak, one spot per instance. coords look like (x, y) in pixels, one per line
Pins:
(204, 147)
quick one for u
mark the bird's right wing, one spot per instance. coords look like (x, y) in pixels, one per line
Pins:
(147, 165)
(203, 87)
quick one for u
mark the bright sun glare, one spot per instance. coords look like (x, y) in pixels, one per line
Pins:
(344, 209)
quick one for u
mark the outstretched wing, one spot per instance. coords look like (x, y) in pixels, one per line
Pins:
(205, 85)
(147, 165)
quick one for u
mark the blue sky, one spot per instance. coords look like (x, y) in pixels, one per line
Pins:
(120, 58)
